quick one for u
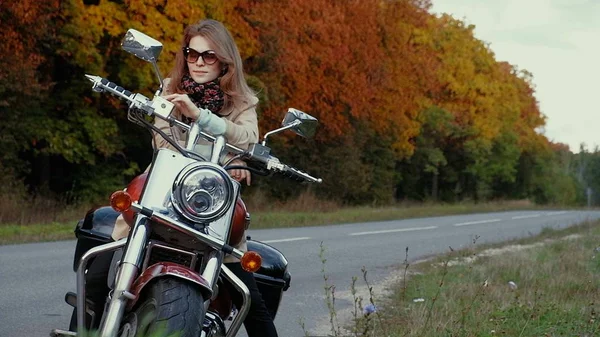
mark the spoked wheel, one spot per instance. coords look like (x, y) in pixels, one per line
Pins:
(169, 307)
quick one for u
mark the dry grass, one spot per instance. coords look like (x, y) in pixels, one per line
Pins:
(16, 209)
(467, 293)
(35, 219)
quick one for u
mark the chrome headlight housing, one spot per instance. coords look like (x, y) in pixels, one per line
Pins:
(202, 192)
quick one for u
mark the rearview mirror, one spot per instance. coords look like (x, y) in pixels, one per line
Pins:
(300, 122)
(141, 45)
(146, 48)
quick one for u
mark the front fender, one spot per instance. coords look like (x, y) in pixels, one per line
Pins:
(161, 269)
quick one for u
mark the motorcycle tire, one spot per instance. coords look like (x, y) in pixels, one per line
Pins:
(168, 307)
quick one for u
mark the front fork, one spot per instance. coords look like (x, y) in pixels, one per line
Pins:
(126, 275)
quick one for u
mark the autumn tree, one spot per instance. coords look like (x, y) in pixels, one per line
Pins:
(355, 66)
(411, 105)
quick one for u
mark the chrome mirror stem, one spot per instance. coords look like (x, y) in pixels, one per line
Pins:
(272, 132)
(160, 79)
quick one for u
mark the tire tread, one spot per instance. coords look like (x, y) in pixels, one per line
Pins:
(180, 306)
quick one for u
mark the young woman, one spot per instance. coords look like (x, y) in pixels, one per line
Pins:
(208, 76)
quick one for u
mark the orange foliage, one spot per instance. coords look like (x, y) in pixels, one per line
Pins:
(410, 70)
(22, 36)
(323, 52)
(345, 62)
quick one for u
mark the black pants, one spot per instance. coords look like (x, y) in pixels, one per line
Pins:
(259, 321)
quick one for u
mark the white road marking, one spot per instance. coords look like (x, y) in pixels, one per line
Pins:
(476, 222)
(526, 216)
(556, 213)
(394, 230)
(286, 240)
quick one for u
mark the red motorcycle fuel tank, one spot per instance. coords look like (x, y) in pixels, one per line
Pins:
(239, 223)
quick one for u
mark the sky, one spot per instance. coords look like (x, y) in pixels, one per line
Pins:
(556, 40)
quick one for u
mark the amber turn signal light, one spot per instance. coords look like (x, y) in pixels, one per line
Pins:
(120, 201)
(251, 261)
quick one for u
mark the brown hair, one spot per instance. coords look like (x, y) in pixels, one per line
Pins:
(237, 92)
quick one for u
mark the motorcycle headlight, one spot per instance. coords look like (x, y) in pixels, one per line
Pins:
(202, 192)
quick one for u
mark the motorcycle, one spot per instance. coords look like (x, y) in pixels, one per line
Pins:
(185, 214)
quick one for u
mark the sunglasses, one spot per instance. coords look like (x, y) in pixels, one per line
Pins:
(192, 55)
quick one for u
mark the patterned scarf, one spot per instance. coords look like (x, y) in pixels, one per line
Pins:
(205, 96)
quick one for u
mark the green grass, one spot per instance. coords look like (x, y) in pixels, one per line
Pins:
(557, 275)
(37, 232)
(11, 234)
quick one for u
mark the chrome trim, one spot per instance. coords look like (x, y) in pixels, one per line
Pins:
(221, 227)
(161, 106)
(243, 311)
(272, 132)
(154, 244)
(214, 324)
(137, 244)
(80, 308)
(212, 268)
(230, 148)
(126, 275)
(165, 168)
(185, 229)
(177, 198)
(218, 147)
(193, 136)
(62, 333)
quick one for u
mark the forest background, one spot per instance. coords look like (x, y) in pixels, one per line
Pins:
(411, 105)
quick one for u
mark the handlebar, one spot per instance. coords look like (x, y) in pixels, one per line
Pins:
(301, 176)
(115, 89)
(162, 108)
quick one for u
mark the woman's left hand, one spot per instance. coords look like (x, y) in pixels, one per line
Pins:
(240, 174)
(184, 104)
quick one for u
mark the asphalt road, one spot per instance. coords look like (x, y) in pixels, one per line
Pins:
(35, 277)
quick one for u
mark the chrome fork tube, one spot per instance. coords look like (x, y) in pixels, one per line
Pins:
(243, 289)
(81, 329)
(218, 147)
(212, 267)
(193, 137)
(211, 272)
(126, 275)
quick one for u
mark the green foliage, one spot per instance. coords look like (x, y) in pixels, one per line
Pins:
(420, 110)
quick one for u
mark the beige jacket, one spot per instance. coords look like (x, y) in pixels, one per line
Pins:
(241, 131)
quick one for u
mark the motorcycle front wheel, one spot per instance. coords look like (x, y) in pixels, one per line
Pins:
(167, 307)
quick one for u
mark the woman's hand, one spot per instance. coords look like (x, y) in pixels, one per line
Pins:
(184, 104)
(240, 174)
